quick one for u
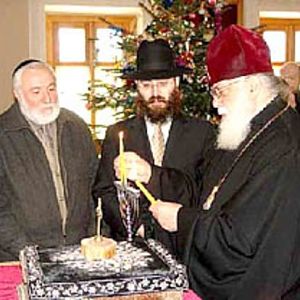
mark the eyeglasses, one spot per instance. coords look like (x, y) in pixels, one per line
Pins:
(158, 83)
(220, 90)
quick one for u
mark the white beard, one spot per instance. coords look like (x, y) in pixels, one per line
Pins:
(235, 126)
(38, 117)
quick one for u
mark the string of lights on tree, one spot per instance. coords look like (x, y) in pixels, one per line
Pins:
(188, 25)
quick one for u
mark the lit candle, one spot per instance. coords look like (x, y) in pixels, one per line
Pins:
(123, 176)
(145, 192)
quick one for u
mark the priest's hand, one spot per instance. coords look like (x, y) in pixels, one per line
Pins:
(166, 214)
(136, 167)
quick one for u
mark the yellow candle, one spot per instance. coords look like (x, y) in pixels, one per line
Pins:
(145, 192)
(123, 176)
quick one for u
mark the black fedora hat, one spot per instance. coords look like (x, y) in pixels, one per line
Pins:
(155, 60)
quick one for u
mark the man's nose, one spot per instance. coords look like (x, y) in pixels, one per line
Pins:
(216, 101)
(48, 97)
(154, 89)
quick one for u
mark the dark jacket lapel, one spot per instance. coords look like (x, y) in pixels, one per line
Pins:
(138, 140)
(176, 131)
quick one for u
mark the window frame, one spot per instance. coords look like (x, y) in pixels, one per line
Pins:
(290, 26)
(90, 22)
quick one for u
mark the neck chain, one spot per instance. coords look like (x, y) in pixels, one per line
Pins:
(210, 199)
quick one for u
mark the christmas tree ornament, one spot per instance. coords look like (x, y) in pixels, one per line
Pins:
(167, 3)
(195, 18)
(218, 20)
(212, 2)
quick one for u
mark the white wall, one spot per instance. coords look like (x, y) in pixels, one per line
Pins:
(253, 8)
(14, 39)
(279, 5)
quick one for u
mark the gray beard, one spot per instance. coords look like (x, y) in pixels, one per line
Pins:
(235, 126)
(37, 118)
(231, 133)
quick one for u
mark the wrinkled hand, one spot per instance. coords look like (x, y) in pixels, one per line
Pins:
(166, 214)
(136, 167)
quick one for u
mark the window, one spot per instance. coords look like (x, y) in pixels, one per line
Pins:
(283, 38)
(82, 49)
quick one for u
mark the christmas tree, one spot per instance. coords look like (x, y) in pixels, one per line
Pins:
(188, 25)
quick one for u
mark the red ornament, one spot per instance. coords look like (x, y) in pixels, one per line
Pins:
(185, 59)
(129, 83)
(195, 18)
(164, 29)
(212, 2)
(188, 2)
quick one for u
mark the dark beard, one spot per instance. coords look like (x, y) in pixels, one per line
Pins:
(172, 108)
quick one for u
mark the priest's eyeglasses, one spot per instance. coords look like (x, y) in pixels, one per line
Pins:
(220, 90)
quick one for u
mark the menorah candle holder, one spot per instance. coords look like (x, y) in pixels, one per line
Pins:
(128, 198)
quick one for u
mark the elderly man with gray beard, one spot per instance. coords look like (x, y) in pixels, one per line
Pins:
(47, 166)
(243, 237)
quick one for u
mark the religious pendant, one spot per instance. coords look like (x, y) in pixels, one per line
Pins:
(210, 199)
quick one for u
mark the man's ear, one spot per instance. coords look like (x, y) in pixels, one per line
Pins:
(254, 84)
(16, 94)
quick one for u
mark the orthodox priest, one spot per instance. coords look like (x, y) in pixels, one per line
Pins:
(244, 237)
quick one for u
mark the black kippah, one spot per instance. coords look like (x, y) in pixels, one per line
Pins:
(24, 63)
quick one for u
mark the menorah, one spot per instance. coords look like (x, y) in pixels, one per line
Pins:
(128, 197)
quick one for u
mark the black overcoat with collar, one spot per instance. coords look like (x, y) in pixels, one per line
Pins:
(188, 142)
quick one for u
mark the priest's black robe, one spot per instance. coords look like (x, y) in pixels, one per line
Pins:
(247, 245)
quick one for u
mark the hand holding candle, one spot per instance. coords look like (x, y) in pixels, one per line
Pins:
(136, 168)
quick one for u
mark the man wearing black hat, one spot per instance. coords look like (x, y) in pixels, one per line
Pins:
(183, 141)
(47, 165)
(244, 236)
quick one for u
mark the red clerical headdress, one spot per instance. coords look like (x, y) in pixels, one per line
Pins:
(236, 52)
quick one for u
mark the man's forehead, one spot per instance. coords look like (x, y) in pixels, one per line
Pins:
(157, 80)
(34, 77)
(37, 73)
(226, 82)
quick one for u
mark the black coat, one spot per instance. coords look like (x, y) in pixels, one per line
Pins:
(187, 144)
(29, 212)
(247, 246)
